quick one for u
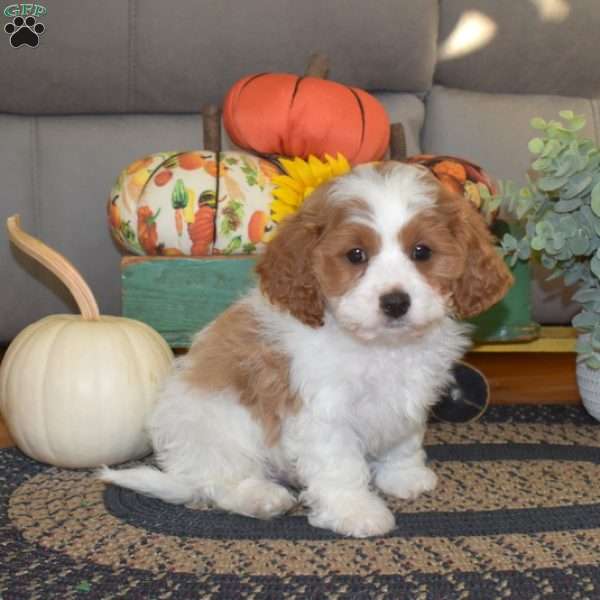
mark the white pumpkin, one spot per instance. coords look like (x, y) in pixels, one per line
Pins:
(75, 390)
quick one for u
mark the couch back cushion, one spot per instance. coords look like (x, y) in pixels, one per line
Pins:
(157, 56)
(520, 46)
(494, 129)
(59, 171)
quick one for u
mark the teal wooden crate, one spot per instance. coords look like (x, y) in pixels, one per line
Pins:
(179, 296)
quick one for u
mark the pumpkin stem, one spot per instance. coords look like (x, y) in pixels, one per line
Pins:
(318, 66)
(211, 127)
(397, 142)
(57, 264)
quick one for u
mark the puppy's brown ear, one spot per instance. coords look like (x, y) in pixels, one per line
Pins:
(486, 279)
(286, 271)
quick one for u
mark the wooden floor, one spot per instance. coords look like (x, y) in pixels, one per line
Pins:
(514, 378)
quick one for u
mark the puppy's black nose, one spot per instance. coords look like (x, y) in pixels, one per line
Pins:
(395, 304)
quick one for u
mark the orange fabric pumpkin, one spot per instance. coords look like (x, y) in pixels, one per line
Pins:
(279, 113)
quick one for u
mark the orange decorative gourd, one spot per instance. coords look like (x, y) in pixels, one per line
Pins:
(462, 177)
(289, 115)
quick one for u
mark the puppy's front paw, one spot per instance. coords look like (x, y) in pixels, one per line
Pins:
(406, 483)
(357, 515)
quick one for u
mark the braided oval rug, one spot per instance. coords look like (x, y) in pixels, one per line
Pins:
(516, 515)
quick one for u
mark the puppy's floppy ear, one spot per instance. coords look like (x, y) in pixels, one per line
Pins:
(486, 279)
(286, 271)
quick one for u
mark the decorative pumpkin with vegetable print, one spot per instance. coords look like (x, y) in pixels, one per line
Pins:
(192, 203)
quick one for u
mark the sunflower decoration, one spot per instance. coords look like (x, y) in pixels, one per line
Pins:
(300, 180)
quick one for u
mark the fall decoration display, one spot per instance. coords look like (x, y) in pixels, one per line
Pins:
(193, 203)
(289, 115)
(207, 202)
(456, 174)
(75, 390)
(300, 179)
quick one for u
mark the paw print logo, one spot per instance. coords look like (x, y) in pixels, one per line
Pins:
(24, 31)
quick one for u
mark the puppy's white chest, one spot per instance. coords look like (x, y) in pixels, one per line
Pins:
(386, 404)
(375, 395)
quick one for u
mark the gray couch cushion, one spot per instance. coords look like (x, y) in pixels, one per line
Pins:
(182, 46)
(155, 56)
(493, 130)
(539, 47)
(59, 171)
(408, 110)
(80, 65)
(22, 292)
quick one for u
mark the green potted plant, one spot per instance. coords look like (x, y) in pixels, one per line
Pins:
(558, 223)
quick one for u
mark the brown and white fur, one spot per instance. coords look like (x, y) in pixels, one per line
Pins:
(322, 378)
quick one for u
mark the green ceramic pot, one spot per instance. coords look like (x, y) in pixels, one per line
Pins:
(510, 320)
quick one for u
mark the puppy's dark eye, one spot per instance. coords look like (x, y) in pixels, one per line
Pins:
(357, 256)
(421, 252)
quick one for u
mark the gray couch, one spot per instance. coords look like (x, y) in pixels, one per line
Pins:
(113, 80)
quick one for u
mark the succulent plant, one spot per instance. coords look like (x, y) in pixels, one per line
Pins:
(558, 219)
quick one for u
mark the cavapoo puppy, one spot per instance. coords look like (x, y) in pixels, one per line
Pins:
(321, 379)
